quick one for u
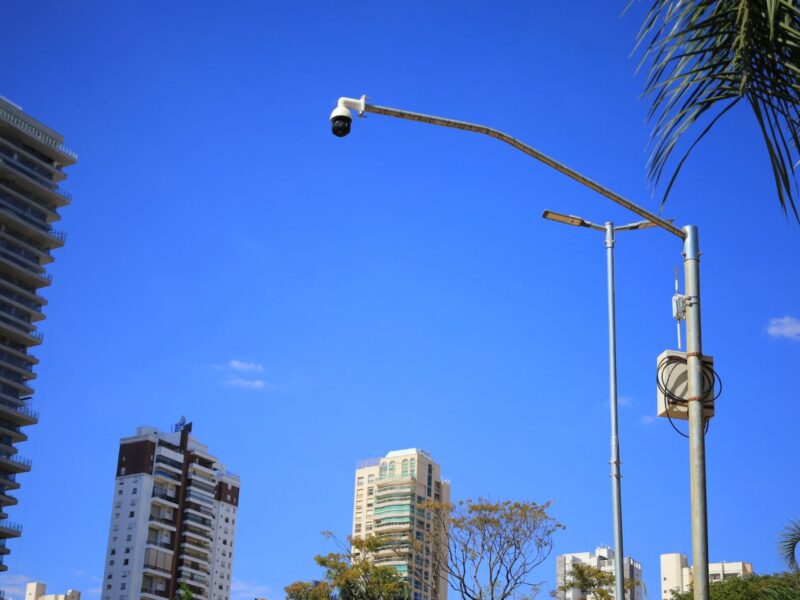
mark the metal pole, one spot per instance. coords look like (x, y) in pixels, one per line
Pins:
(616, 491)
(697, 450)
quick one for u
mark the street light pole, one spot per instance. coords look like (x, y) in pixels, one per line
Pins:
(697, 441)
(616, 484)
(340, 120)
(616, 475)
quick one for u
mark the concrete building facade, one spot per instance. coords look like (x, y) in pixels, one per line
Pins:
(602, 558)
(32, 161)
(387, 495)
(173, 519)
(676, 574)
(36, 591)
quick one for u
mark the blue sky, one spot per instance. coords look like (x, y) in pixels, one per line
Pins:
(395, 288)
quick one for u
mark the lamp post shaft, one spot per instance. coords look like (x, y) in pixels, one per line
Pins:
(616, 484)
(697, 450)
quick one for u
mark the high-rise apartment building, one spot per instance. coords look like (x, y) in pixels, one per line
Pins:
(173, 519)
(32, 159)
(676, 574)
(603, 559)
(387, 497)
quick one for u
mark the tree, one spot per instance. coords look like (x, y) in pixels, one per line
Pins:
(493, 547)
(705, 56)
(184, 592)
(790, 540)
(591, 580)
(781, 586)
(351, 575)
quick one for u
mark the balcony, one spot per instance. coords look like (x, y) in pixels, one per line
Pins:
(18, 414)
(6, 500)
(163, 474)
(38, 135)
(161, 544)
(9, 529)
(167, 524)
(161, 495)
(153, 592)
(33, 182)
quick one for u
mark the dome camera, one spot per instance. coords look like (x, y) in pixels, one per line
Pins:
(341, 121)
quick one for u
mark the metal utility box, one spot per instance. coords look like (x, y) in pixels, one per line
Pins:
(671, 375)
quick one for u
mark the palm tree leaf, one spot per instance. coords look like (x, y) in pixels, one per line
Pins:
(705, 55)
(790, 540)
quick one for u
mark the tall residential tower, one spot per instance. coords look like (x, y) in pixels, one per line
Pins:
(388, 492)
(32, 159)
(173, 519)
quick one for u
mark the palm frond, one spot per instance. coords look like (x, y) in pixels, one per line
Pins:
(703, 57)
(790, 541)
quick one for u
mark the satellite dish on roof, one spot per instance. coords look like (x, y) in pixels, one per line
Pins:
(180, 424)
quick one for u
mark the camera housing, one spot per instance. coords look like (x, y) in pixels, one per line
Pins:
(342, 119)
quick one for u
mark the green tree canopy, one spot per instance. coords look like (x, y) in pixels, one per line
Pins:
(351, 575)
(781, 586)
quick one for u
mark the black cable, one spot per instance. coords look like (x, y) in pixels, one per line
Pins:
(712, 387)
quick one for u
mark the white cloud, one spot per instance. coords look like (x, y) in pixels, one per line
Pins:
(625, 400)
(243, 366)
(247, 590)
(250, 384)
(647, 420)
(787, 327)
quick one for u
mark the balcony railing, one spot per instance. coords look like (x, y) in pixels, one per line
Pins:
(154, 592)
(25, 462)
(23, 125)
(35, 177)
(5, 524)
(23, 410)
(164, 496)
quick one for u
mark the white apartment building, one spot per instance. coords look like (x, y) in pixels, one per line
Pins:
(173, 519)
(387, 495)
(676, 574)
(36, 591)
(603, 559)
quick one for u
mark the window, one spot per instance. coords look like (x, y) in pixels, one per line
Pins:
(128, 537)
(370, 479)
(130, 514)
(113, 551)
(359, 482)
(127, 550)
(392, 469)
(358, 528)
(125, 562)
(404, 468)
(119, 493)
(111, 563)
(370, 491)
(134, 490)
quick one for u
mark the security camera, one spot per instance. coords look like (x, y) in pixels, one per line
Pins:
(341, 121)
(341, 118)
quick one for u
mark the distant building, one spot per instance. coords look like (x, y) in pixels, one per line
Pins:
(35, 591)
(676, 574)
(603, 559)
(173, 519)
(32, 162)
(387, 493)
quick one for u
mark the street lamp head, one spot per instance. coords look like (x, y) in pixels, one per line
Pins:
(570, 220)
(341, 118)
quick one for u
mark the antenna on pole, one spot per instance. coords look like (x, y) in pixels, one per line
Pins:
(678, 307)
